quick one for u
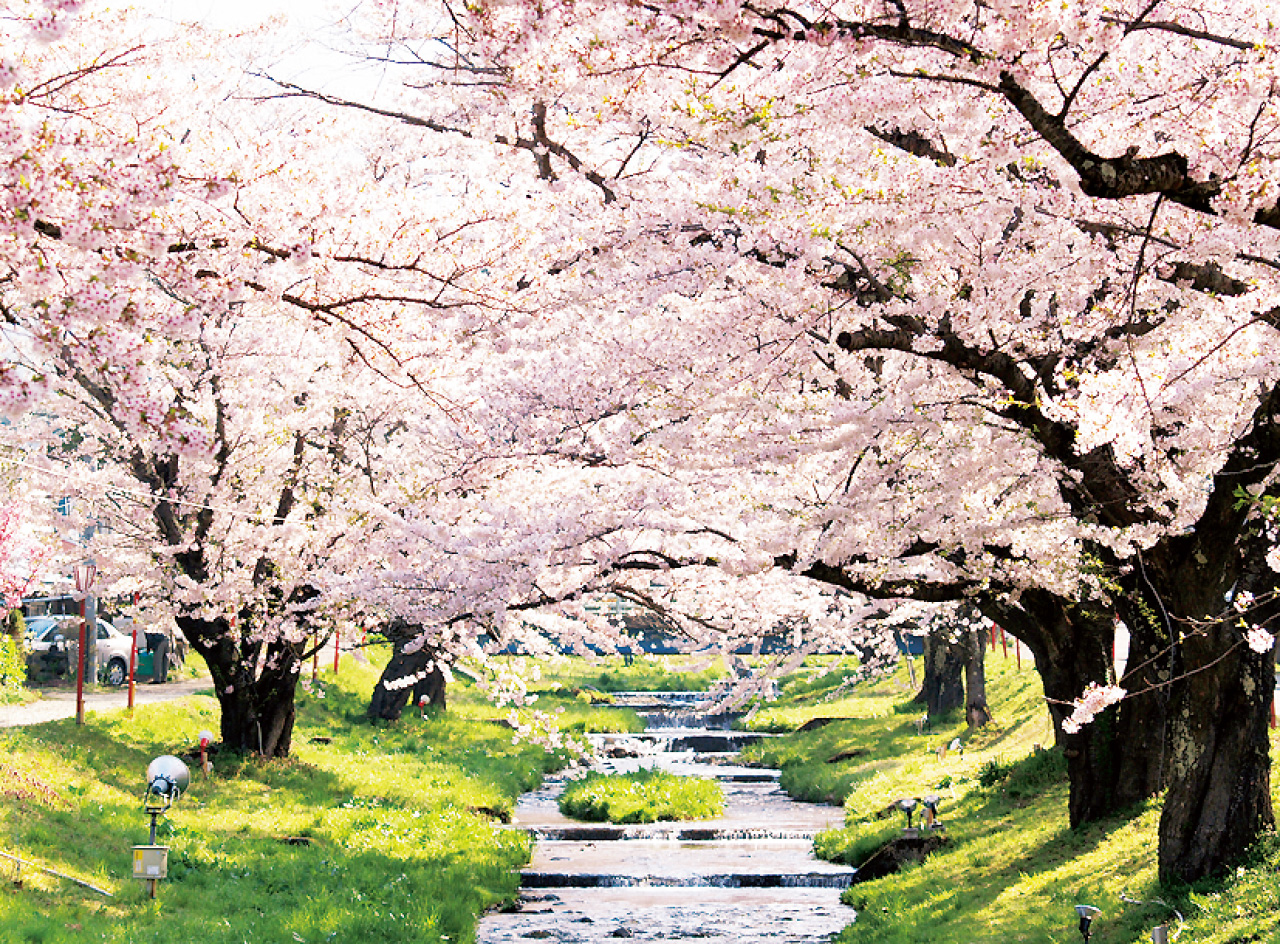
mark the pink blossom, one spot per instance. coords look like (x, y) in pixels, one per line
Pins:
(1259, 639)
(1094, 700)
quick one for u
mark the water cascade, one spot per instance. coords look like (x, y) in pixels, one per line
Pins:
(748, 877)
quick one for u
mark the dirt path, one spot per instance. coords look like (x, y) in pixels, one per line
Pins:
(61, 702)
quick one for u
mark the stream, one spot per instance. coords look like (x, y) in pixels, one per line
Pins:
(748, 876)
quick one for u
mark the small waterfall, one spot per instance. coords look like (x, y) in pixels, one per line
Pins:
(733, 880)
(759, 881)
(668, 833)
(672, 718)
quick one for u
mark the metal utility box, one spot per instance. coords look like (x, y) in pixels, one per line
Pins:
(150, 862)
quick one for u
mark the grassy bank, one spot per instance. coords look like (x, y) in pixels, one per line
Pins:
(385, 834)
(1013, 871)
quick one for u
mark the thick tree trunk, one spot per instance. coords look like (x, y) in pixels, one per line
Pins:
(1219, 797)
(976, 710)
(1118, 759)
(255, 687)
(413, 675)
(942, 689)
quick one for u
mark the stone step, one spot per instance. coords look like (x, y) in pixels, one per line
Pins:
(681, 740)
(654, 858)
(667, 832)
(722, 880)
(664, 914)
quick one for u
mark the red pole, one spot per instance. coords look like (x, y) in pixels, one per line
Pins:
(133, 662)
(1017, 648)
(336, 651)
(993, 637)
(80, 668)
(1004, 641)
(1273, 713)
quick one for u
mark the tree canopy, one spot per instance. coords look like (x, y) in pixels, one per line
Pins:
(935, 301)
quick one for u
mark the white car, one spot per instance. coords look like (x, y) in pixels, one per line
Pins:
(113, 645)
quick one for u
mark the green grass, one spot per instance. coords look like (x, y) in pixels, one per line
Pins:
(646, 796)
(1013, 870)
(383, 833)
(606, 674)
(390, 833)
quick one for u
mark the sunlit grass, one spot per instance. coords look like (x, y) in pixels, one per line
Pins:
(646, 673)
(1013, 870)
(646, 796)
(392, 832)
(366, 833)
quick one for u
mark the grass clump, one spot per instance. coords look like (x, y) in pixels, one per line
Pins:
(646, 796)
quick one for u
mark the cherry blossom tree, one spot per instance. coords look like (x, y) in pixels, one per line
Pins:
(1000, 280)
(943, 301)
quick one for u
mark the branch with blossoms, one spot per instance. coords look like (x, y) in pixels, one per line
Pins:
(1112, 178)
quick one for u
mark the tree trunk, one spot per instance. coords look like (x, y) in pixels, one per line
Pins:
(1219, 798)
(255, 684)
(976, 710)
(1118, 759)
(417, 675)
(943, 688)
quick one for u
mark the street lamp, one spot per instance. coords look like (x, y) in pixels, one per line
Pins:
(167, 779)
(1087, 913)
(929, 818)
(907, 805)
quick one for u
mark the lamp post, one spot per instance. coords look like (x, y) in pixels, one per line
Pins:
(167, 779)
(84, 582)
(1087, 913)
(908, 805)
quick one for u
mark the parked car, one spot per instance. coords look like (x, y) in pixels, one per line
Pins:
(113, 645)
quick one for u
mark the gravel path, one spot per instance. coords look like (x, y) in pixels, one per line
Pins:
(61, 702)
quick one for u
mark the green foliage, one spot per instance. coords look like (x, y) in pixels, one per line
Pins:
(655, 675)
(1036, 773)
(647, 796)
(853, 845)
(819, 679)
(992, 772)
(13, 670)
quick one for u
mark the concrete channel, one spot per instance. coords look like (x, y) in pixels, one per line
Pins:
(747, 877)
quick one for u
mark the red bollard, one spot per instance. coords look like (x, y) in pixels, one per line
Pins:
(205, 738)
(133, 664)
(80, 669)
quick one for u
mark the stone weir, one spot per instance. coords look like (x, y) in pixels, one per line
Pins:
(747, 877)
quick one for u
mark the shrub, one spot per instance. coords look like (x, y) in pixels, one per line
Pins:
(992, 772)
(1036, 772)
(13, 670)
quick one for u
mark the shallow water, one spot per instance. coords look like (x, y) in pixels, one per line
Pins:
(747, 876)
